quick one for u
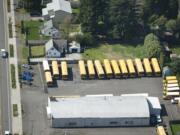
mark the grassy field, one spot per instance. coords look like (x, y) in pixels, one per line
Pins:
(115, 51)
(175, 128)
(34, 27)
(38, 51)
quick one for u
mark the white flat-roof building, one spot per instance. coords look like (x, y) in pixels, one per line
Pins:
(99, 111)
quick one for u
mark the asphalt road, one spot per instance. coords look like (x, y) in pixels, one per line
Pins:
(4, 75)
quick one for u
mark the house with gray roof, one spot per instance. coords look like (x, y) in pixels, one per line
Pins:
(57, 10)
(49, 30)
(56, 48)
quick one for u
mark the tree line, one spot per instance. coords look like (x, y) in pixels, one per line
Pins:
(128, 19)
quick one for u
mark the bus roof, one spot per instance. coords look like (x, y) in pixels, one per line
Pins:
(90, 67)
(123, 67)
(107, 66)
(172, 89)
(147, 65)
(115, 67)
(130, 66)
(82, 68)
(64, 68)
(139, 65)
(98, 66)
(172, 81)
(171, 78)
(48, 77)
(55, 68)
(172, 93)
(155, 65)
(160, 130)
(45, 65)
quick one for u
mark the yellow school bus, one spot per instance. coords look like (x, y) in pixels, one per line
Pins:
(107, 67)
(171, 81)
(91, 70)
(160, 130)
(171, 78)
(55, 69)
(115, 68)
(155, 66)
(82, 69)
(147, 67)
(123, 68)
(64, 70)
(48, 78)
(99, 69)
(131, 68)
(139, 67)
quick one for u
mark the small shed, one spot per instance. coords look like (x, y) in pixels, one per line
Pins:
(74, 47)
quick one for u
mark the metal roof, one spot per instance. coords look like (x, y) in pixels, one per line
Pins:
(56, 5)
(100, 107)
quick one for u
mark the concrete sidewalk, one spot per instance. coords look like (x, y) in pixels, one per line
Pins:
(15, 93)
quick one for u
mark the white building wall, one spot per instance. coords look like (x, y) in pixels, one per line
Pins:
(99, 122)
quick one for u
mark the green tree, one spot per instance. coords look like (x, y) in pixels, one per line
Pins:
(93, 16)
(123, 19)
(174, 65)
(171, 25)
(152, 46)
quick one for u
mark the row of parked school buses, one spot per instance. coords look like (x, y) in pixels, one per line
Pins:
(56, 70)
(171, 88)
(120, 68)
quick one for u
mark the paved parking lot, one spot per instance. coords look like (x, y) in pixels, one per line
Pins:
(34, 100)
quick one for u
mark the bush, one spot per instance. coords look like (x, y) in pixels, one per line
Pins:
(15, 110)
(152, 46)
(85, 40)
(174, 65)
(11, 51)
(13, 76)
(171, 25)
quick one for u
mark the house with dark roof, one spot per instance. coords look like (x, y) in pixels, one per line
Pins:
(56, 48)
(48, 29)
(57, 10)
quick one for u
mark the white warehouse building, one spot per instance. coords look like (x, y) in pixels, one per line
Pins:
(98, 111)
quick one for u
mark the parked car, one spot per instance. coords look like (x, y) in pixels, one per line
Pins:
(7, 133)
(4, 53)
(26, 66)
(35, 14)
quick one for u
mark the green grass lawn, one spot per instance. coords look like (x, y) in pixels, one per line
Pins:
(23, 53)
(75, 10)
(38, 51)
(175, 128)
(34, 28)
(115, 51)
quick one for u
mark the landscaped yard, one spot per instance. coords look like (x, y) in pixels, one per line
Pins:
(24, 53)
(38, 51)
(175, 128)
(115, 51)
(34, 28)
